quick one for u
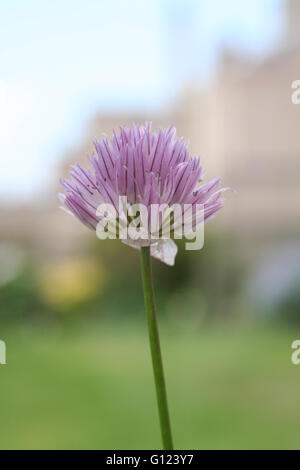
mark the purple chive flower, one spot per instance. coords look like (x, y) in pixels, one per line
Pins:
(146, 167)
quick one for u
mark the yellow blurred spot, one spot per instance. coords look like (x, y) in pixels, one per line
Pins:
(69, 282)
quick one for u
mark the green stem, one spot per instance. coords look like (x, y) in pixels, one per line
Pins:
(155, 349)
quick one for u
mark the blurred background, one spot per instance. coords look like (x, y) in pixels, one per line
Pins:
(78, 371)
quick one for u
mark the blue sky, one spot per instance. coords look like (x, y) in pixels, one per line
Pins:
(61, 61)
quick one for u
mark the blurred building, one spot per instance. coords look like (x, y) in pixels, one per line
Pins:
(292, 13)
(247, 129)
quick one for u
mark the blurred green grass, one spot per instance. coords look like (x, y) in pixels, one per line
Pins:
(92, 389)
